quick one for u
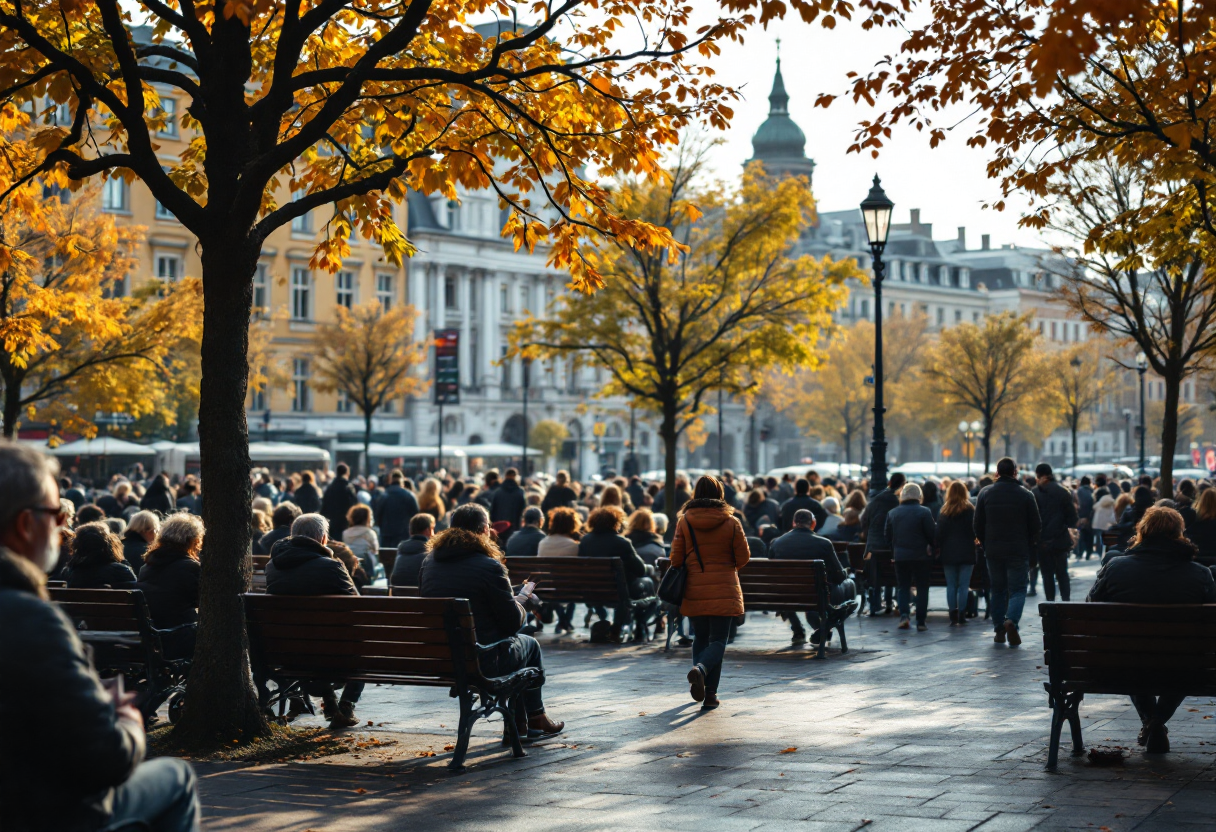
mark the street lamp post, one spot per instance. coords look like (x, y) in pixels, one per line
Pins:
(876, 211)
(970, 431)
(1141, 367)
(1127, 430)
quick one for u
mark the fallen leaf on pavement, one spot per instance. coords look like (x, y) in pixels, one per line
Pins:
(789, 750)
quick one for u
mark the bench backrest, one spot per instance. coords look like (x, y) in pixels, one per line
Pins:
(259, 562)
(783, 585)
(104, 610)
(387, 556)
(337, 638)
(1110, 539)
(857, 555)
(1130, 648)
(572, 579)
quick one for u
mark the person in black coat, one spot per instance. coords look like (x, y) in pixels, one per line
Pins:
(283, 516)
(1007, 525)
(412, 551)
(560, 494)
(1085, 519)
(874, 532)
(56, 707)
(759, 510)
(159, 497)
(1159, 568)
(169, 580)
(801, 543)
(339, 498)
(307, 496)
(140, 534)
(1142, 501)
(636, 491)
(302, 565)
(465, 563)
(1058, 515)
(509, 501)
(1202, 530)
(802, 500)
(911, 530)
(97, 560)
(954, 543)
(604, 540)
(397, 508)
(525, 541)
(848, 530)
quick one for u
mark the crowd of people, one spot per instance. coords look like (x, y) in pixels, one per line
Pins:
(323, 535)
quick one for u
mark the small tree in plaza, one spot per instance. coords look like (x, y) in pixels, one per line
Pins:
(547, 437)
(369, 356)
(669, 329)
(1081, 377)
(70, 344)
(987, 369)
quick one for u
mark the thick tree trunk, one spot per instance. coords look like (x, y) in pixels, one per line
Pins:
(987, 445)
(670, 437)
(1169, 434)
(221, 704)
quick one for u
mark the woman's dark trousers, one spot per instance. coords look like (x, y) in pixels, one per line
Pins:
(709, 646)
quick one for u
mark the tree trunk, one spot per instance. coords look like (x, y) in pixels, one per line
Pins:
(12, 403)
(1075, 419)
(367, 442)
(987, 445)
(670, 437)
(1169, 434)
(848, 447)
(222, 705)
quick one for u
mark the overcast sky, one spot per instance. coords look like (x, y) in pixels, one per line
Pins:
(948, 183)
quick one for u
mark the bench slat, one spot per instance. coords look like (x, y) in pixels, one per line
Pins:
(313, 664)
(1130, 663)
(281, 646)
(1133, 629)
(1126, 644)
(434, 606)
(353, 634)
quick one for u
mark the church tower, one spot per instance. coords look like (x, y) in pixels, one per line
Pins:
(780, 143)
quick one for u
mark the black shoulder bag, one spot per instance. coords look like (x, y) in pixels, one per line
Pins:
(675, 581)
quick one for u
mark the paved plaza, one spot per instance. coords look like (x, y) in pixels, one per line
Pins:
(939, 731)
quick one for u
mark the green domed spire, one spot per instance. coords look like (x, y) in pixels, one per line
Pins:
(780, 144)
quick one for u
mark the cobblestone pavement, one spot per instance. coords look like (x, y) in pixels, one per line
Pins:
(939, 731)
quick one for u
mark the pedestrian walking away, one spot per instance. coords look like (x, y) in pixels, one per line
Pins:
(1007, 525)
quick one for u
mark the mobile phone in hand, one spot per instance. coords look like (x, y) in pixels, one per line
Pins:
(528, 588)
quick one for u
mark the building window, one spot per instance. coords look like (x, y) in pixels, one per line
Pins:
(453, 215)
(384, 291)
(389, 407)
(344, 403)
(303, 223)
(1053, 330)
(115, 196)
(301, 401)
(261, 287)
(958, 316)
(257, 400)
(449, 293)
(163, 213)
(346, 288)
(941, 316)
(865, 308)
(168, 267)
(168, 106)
(504, 298)
(506, 368)
(975, 317)
(525, 298)
(301, 294)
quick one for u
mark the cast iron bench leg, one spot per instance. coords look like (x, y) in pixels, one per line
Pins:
(513, 705)
(1074, 721)
(1057, 725)
(463, 732)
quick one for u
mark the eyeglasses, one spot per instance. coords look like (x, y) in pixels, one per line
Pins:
(61, 516)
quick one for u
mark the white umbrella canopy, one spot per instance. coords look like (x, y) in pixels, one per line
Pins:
(104, 446)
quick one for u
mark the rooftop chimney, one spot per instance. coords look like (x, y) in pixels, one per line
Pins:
(985, 242)
(962, 238)
(915, 214)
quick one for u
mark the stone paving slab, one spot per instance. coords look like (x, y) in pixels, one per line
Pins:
(938, 731)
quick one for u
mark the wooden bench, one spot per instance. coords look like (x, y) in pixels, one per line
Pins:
(771, 585)
(387, 557)
(427, 642)
(885, 563)
(1109, 539)
(1126, 649)
(117, 627)
(574, 580)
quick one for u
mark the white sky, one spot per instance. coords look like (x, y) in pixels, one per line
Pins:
(949, 183)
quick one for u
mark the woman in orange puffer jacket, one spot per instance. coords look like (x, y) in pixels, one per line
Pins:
(710, 541)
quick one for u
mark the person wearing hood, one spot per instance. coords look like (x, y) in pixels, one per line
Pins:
(710, 542)
(169, 580)
(508, 503)
(464, 563)
(56, 706)
(303, 565)
(97, 561)
(1158, 568)
(159, 497)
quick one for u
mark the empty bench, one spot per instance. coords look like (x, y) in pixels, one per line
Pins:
(1123, 649)
(117, 627)
(428, 642)
(596, 582)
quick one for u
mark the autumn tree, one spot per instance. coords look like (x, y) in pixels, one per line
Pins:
(369, 355)
(547, 437)
(984, 369)
(833, 401)
(342, 106)
(730, 304)
(1081, 376)
(70, 344)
